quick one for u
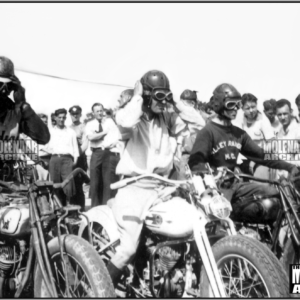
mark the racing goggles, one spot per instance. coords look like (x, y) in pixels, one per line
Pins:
(231, 104)
(160, 94)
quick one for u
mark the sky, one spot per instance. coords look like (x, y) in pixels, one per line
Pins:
(253, 46)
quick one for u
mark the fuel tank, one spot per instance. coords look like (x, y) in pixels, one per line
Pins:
(14, 219)
(173, 218)
(255, 209)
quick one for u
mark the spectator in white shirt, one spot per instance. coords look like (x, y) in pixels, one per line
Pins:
(290, 130)
(64, 149)
(270, 112)
(259, 129)
(104, 136)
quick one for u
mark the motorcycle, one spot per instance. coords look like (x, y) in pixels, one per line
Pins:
(276, 223)
(175, 257)
(38, 256)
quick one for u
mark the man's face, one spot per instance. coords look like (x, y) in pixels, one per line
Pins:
(98, 112)
(284, 115)
(45, 120)
(121, 99)
(75, 117)
(250, 110)
(60, 120)
(231, 114)
(270, 113)
(158, 106)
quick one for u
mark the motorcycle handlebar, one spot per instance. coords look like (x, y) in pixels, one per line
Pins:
(72, 175)
(127, 181)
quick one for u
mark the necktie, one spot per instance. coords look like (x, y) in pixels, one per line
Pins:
(100, 127)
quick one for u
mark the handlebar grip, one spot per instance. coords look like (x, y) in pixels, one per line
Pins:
(118, 185)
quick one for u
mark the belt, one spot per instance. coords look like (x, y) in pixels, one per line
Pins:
(106, 149)
(63, 155)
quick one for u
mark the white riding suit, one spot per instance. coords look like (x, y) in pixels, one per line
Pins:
(150, 149)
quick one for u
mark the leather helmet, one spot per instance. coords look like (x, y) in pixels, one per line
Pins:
(151, 80)
(155, 79)
(6, 67)
(222, 92)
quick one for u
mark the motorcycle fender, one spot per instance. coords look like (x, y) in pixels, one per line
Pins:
(102, 215)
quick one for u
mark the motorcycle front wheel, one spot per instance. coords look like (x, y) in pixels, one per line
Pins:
(86, 273)
(248, 270)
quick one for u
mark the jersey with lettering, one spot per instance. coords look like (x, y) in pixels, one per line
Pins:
(220, 145)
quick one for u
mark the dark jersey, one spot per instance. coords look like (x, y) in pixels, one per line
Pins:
(220, 146)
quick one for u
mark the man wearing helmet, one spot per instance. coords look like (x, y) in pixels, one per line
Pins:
(18, 116)
(223, 143)
(153, 135)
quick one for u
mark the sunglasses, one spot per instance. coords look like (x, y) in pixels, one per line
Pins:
(231, 104)
(161, 95)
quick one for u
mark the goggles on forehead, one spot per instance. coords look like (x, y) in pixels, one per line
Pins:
(231, 104)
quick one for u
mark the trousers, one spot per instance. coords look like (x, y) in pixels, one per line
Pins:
(59, 169)
(129, 207)
(103, 173)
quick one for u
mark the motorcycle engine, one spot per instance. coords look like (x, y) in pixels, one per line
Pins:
(12, 266)
(169, 271)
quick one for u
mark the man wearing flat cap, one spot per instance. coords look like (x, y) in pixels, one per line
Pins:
(79, 128)
(64, 149)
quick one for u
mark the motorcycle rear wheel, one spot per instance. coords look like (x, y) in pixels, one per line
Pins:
(87, 274)
(263, 277)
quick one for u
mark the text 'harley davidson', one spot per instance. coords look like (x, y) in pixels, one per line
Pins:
(175, 257)
(36, 259)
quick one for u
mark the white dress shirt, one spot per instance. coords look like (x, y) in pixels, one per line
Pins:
(110, 140)
(63, 142)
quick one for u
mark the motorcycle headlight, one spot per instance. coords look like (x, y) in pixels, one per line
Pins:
(220, 207)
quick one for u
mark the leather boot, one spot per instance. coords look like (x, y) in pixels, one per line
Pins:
(114, 273)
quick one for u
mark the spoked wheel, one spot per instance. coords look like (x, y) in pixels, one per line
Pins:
(248, 269)
(241, 279)
(100, 239)
(82, 273)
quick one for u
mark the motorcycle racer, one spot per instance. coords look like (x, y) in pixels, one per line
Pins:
(223, 143)
(17, 117)
(153, 138)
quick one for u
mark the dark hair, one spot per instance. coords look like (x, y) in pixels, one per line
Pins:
(248, 98)
(269, 104)
(97, 104)
(60, 111)
(282, 102)
(297, 101)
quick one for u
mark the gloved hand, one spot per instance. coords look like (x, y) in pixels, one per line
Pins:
(19, 91)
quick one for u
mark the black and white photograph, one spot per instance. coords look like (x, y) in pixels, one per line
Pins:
(149, 150)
